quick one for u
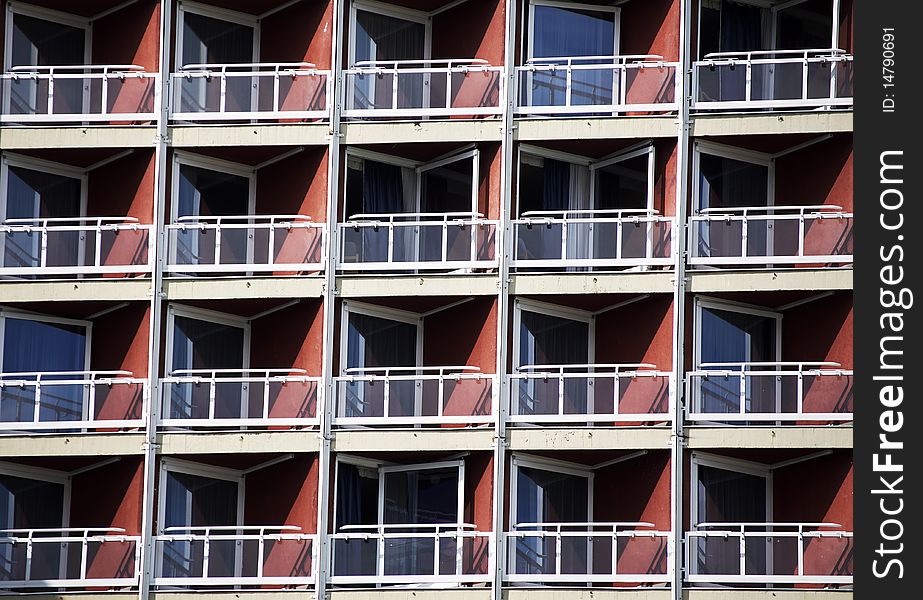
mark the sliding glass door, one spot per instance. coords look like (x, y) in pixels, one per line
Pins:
(27, 503)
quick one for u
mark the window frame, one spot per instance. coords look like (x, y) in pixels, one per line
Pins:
(6, 313)
(210, 316)
(381, 312)
(216, 13)
(527, 51)
(551, 310)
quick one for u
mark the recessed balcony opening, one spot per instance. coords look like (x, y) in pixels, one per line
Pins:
(778, 54)
(217, 529)
(566, 370)
(71, 371)
(419, 59)
(241, 61)
(751, 527)
(572, 525)
(586, 58)
(65, 526)
(92, 63)
(230, 370)
(785, 361)
(247, 212)
(754, 206)
(434, 207)
(76, 216)
(396, 369)
(594, 207)
(412, 522)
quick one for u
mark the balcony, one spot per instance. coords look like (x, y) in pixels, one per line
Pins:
(592, 239)
(75, 246)
(770, 392)
(250, 92)
(267, 244)
(771, 235)
(49, 559)
(72, 401)
(598, 393)
(80, 93)
(769, 554)
(417, 241)
(415, 396)
(252, 555)
(397, 89)
(414, 554)
(794, 79)
(591, 552)
(239, 398)
(581, 85)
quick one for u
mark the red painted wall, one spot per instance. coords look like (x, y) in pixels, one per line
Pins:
(478, 509)
(311, 41)
(120, 342)
(651, 27)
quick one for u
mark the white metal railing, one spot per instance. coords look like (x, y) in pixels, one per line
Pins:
(589, 552)
(250, 91)
(57, 400)
(770, 392)
(235, 555)
(453, 240)
(69, 557)
(769, 553)
(226, 244)
(403, 396)
(85, 93)
(411, 554)
(757, 235)
(581, 393)
(592, 238)
(773, 79)
(75, 246)
(422, 88)
(567, 85)
(235, 398)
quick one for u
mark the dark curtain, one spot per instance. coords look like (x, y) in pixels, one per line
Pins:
(208, 193)
(30, 504)
(214, 41)
(356, 504)
(622, 185)
(549, 340)
(557, 184)
(382, 188)
(741, 27)
(54, 44)
(729, 183)
(213, 346)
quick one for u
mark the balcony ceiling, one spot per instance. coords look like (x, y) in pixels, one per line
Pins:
(84, 8)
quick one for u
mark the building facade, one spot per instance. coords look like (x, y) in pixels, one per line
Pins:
(519, 298)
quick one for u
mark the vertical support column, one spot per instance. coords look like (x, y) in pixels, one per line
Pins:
(328, 399)
(158, 252)
(677, 437)
(504, 237)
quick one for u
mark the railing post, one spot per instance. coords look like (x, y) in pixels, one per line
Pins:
(50, 91)
(104, 92)
(800, 394)
(802, 232)
(742, 390)
(223, 86)
(98, 240)
(217, 258)
(804, 78)
(83, 555)
(743, 550)
(271, 251)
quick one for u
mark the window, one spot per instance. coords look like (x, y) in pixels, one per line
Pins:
(743, 26)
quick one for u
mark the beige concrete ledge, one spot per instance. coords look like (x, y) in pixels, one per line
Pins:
(779, 594)
(486, 284)
(772, 123)
(593, 283)
(373, 440)
(243, 287)
(587, 594)
(594, 128)
(769, 437)
(384, 132)
(413, 594)
(89, 444)
(271, 134)
(770, 280)
(219, 595)
(239, 442)
(24, 138)
(588, 438)
(108, 595)
(71, 291)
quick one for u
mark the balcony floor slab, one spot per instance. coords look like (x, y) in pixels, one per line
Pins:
(593, 283)
(232, 288)
(90, 444)
(401, 132)
(124, 290)
(712, 125)
(769, 437)
(596, 593)
(413, 594)
(266, 134)
(555, 128)
(486, 284)
(104, 136)
(769, 280)
(374, 440)
(588, 438)
(238, 442)
(775, 594)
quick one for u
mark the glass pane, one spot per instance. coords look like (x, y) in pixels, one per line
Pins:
(421, 496)
(213, 41)
(377, 342)
(550, 340)
(559, 31)
(199, 344)
(622, 185)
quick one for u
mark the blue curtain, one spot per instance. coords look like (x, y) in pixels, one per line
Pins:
(556, 195)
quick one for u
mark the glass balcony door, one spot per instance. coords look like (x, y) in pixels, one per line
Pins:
(31, 503)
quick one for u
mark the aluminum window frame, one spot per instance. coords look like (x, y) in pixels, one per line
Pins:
(527, 50)
(380, 312)
(203, 314)
(217, 13)
(551, 310)
(6, 313)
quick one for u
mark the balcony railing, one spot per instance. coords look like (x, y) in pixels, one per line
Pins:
(37, 559)
(574, 85)
(770, 392)
(411, 554)
(250, 91)
(83, 246)
(778, 235)
(410, 241)
(769, 553)
(246, 555)
(237, 398)
(422, 88)
(605, 393)
(773, 79)
(405, 396)
(592, 238)
(592, 552)
(72, 400)
(82, 93)
(251, 243)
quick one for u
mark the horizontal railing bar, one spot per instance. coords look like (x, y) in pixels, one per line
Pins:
(423, 61)
(587, 524)
(772, 363)
(193, 66)
(766, 524)
(53, 68)
(592, 211)
(597, 57)
(382, 526)
(616, 366)
(64, 530)
(220, 218)
(774, 52)
(223, 371)
(373, 370)
(208, 528)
